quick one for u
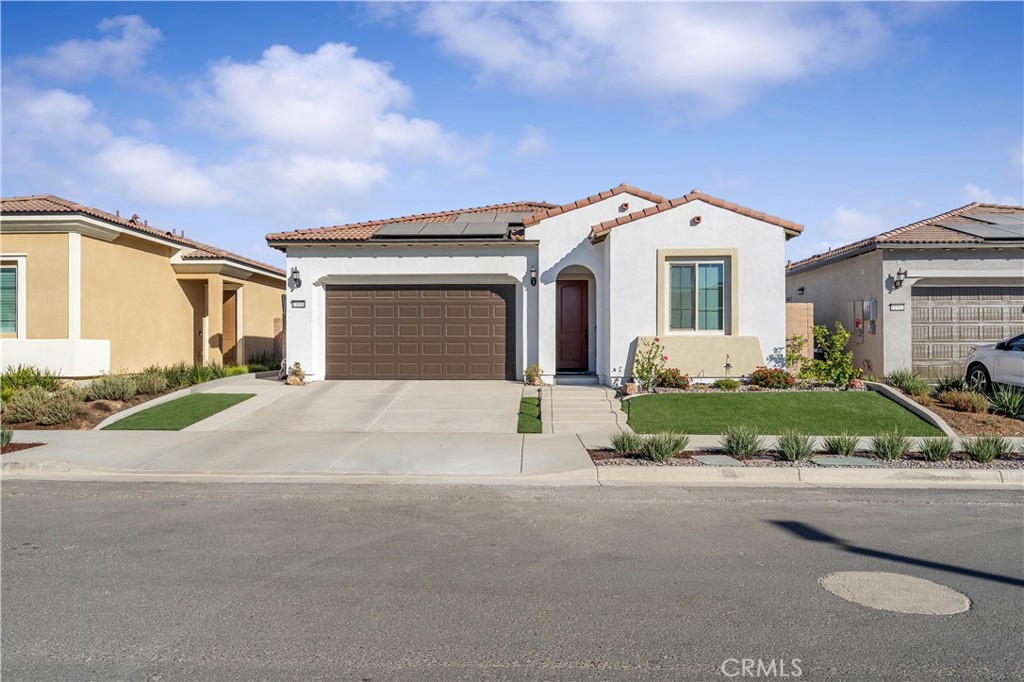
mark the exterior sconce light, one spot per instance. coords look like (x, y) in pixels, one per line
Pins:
(728, 365)
(296, 280)
(800, 291)
(533, 275)
(897, 281)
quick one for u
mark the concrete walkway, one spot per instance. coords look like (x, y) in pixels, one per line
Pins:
(575, 409)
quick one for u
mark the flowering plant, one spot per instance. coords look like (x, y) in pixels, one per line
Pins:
(766, 377)
(649, 362)
(673, 378)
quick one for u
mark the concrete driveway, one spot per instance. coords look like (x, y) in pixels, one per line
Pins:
(389, 407)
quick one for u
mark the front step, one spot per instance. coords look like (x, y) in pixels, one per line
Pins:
(576, 380)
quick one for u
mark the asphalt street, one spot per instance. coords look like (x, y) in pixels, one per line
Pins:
(293, 581)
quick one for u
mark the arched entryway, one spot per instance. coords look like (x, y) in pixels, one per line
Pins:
(575, 317)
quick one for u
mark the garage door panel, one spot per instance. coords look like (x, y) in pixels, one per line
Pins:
(427, 332)
(948, 321)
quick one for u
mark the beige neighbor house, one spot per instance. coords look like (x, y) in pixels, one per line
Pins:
(923, 295)
(83, 292)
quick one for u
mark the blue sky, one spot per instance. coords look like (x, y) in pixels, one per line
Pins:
(232, 120)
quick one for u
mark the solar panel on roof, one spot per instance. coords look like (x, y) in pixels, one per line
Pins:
(515, 217)
(478, 217)
(400, 230)
(485, 230)
(997, 218)
(442, 230)
(987, 232)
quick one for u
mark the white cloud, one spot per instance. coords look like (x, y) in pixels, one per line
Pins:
(972, 192)
(120, 53)
(843, 226)
(534, 143)
(53, 133)
(718, 54)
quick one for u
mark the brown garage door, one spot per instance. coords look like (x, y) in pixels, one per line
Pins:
(949, 321)
(421, 332)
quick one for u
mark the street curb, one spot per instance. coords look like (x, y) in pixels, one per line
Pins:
(174, 395)
(607, 475)
(908, 404)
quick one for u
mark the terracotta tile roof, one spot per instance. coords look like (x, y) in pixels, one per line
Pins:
(925, 231)
(592, 199)
(365, 230)
(48, 204)
(599, 231)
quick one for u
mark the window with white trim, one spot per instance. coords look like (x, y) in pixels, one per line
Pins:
(696, 296)
(8, 299)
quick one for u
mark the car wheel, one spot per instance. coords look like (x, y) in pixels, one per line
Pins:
(978, 379)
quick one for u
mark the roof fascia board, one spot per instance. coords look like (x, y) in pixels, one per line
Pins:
(365, 243)
(833, 259)
(218, 267)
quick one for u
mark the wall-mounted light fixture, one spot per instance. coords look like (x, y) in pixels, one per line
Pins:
(728, 365)
(296, 279)
(800, 291)
(897, 281)
(533, 275)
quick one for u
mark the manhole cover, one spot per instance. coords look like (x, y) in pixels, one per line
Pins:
(896, 592)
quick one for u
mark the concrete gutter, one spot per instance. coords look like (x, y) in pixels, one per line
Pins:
(905, 402)
(181, 393)
(598, 476)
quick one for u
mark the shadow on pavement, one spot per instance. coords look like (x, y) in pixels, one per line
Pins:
(808, 532)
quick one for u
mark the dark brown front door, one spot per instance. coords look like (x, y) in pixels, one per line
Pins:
(421, 332)
(571, 324)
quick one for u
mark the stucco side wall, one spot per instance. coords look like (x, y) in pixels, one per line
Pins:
(131, 296)
(834, 287)
(760, 277)
(564, 242)
(508, 263)
(262, 316)
(46, 285)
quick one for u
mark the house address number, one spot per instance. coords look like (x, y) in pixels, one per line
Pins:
(897, 306)
(298, 304)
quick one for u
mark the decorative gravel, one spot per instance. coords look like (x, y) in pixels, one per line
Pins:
(609, 458)
(799, 387)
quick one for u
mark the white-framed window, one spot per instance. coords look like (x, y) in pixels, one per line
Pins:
(697, 296)
(12, 295)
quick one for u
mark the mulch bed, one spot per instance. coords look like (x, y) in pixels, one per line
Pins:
(608, 457)
(92, 413)
(15, 447)
(970, 424)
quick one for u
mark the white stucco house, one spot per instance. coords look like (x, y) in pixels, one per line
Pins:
(921, 296)
(484, 293)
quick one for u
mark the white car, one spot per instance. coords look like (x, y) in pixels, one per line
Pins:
(999, 363)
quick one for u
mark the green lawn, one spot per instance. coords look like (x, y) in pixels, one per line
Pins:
(863, 413)
(529, 416)
(176, 414)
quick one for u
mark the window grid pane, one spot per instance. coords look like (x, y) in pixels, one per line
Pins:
(682, 312)
(711, 296)
(8, 300)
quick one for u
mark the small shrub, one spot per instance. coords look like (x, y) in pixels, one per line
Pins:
(255, 367)
(296, 375)
(771, 378)
(235, 370)
(908, 382)
(891, 445)
(113, 387)
(266, 359)
(179, 375)
(742, 441)
(727, 384)
(841, 444)
(795, 357)
(1008, 401)
(836, 365)
(952, 383)
(649, 362)
(936, 449)
(984, 449)
(200, 374)
(532, 375)
(151, 381)
(61, 407)
(625, 442)
(6, 436)
(673, 378)
(661, 447)
(25, 404)
(965, 401)
(23, 376)
(793, 446)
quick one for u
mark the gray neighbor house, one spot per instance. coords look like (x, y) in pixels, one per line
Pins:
(923, 295)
